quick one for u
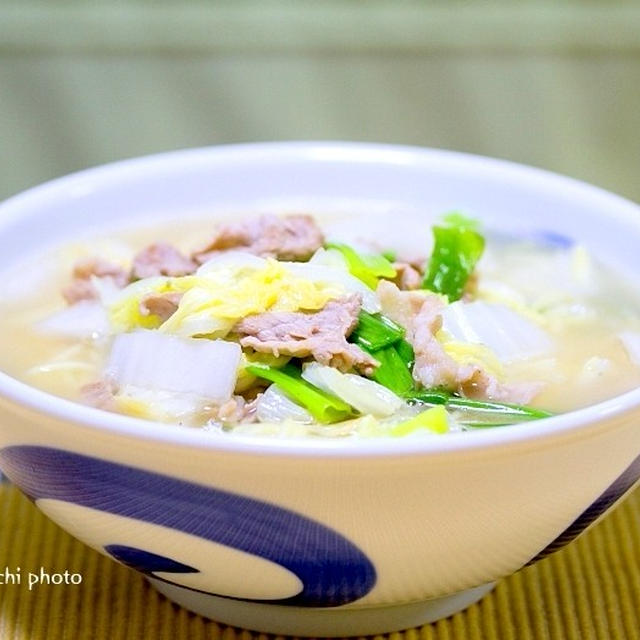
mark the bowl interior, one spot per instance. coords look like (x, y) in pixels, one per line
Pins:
(339, 178)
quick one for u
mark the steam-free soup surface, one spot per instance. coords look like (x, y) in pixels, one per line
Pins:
(295, 326)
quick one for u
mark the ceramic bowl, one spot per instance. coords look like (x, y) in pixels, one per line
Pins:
(311, 537)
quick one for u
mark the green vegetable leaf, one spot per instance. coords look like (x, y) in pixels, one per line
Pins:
(393, 372)
(457, 248)
(434, 419)
(405, 351)
(366, 267)
(478, 413)
(389, 255)
(457, 219)
(321, 405)
(503, 408)
(375, 331)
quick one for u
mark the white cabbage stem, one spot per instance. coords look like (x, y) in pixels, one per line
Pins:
(275, 406)
(361, 393)
(508, 334)
(157, 361)
(84, 319)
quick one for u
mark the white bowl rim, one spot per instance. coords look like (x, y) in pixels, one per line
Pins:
(568, 424)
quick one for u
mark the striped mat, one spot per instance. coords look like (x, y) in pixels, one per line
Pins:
(589, 590)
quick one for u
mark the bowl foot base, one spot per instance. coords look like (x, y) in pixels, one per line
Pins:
(319, 622)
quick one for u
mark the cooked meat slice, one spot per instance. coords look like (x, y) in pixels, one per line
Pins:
(483, 385)
(99, 394)
(81, 287)
(321, 334)
(401, 307)
(421, 315)
(407, 276)
(95, 266)
(161, 259)
(294, 237)
(163, 305)
(234, 411)
(433, 366)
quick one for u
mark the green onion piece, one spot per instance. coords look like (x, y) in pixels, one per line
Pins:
(434, 419)
(470, 425)
(321, 405)
(366, 267)
(392, 372)
(457, 219)
(405, 351)
(488, 412)
(375, 331)
(512, 410)
(389, 255)
(457, 248)
(428, 396)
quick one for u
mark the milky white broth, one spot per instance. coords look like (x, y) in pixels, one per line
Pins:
(589, 365)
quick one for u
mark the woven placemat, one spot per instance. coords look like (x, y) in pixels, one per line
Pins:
(589, 590)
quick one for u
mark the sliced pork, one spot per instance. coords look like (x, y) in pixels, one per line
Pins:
(294, 237)
(433, 367)
(236, 410)
(84, 270)
(421, 315)
(481, 385)
(401, 306)
(407, 277)
(100, 394)
(161, 259)
(163, 305)
(321, 334)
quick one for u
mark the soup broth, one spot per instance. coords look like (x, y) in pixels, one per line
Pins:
(538, 326)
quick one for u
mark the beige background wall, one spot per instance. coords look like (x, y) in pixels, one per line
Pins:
(551, 84)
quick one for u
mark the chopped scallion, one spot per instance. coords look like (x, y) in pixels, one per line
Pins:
(434, 419)
(392, 372)
(486, 412)
(429, 396)
(457, 248)
(511, 410)
(405, 351)
(366, 267)
(389, 255)
(321, 405)
(375, 331)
